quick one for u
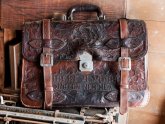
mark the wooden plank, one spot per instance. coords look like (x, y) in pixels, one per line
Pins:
(15, 12)
(146, 9)
(0, 12)
(2, 68)
(15, 61)
(153, 113)
(156, 104)
(138, 117)
(156, 31)
(156, 68)
(9, 35)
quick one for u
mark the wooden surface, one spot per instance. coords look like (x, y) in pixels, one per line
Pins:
(15, 12)
(153, 12)
(143, 118)
(2, 69)
(9, 35)
(150, 10)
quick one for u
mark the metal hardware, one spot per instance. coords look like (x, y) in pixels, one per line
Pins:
(109, 117)
(7, 119)
(19, 114)
(59, 16)
(122, 119)
(1, 102)
(6, 102)
(60, 117)
(85, 8)
(69, 118)
(121, 59)
(83, 110)
(43, 57)
(85, 63)
(15, 60)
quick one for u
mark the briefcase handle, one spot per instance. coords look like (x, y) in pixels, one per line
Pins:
(85, 8)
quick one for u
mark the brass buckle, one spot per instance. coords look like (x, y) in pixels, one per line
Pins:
(42, 58)
(121, 59)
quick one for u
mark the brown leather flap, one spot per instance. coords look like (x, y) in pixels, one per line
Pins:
(100, 38)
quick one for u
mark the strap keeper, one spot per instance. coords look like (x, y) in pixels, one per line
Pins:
(123, 28)
(124, 86)
(49, 89)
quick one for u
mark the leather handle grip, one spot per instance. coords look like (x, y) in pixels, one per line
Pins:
(85, 8)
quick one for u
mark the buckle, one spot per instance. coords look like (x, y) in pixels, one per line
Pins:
(42, 58)
(121, 59)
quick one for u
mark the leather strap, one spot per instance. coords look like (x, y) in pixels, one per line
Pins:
(47, 63)
(125, 66)
(123, 28)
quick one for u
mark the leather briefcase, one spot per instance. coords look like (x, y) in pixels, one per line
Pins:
(98, 63)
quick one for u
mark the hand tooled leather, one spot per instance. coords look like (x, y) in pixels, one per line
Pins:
(100, 38)
(72, 88)
(100, 88)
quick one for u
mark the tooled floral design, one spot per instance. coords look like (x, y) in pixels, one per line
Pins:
(137, 79)
(112, 96)
(136, 29)
(55, 44)
(32, 81)
(94, 38)
(101, 39)
(96, 35)
(31, 31)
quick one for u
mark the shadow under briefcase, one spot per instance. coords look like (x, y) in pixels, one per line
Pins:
(75, 63)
